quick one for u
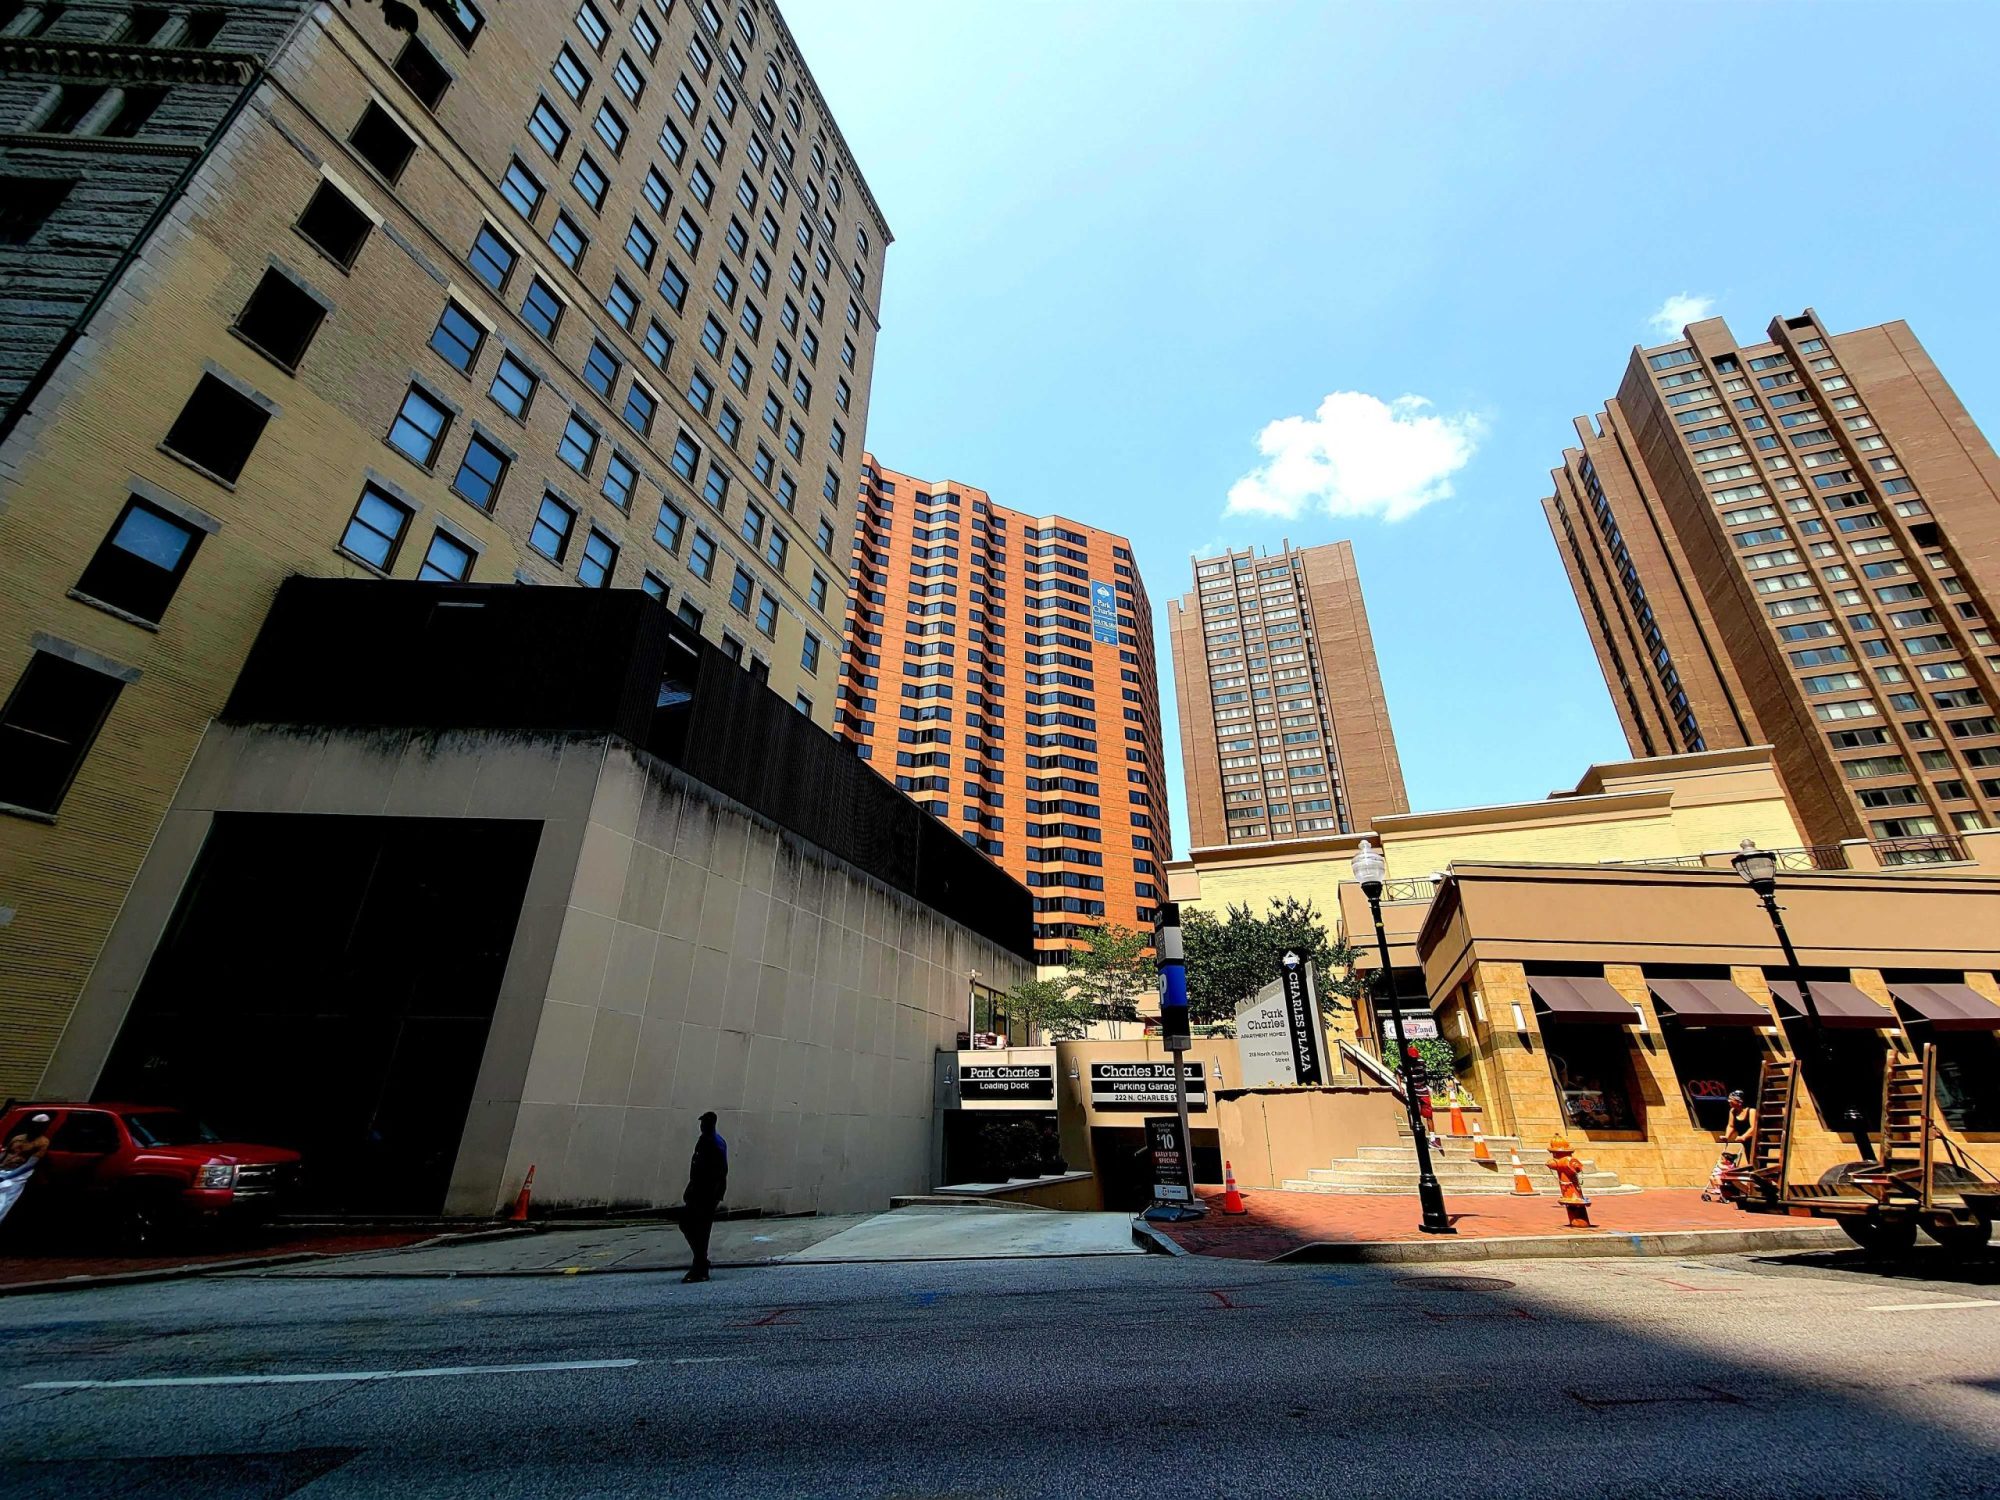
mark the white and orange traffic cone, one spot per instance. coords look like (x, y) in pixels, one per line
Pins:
(519, 1215)
(1480, 1150)
(1457, 1117)
(1522, 1187)
(1232, 1201)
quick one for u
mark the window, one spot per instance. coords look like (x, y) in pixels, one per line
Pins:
(690, 614)
(375, 530)
(335, 224)
(739, 371)
(419, 428)
(217, 429)
(542, 309)
(684, 457)
(788, 491)
(579, 444)
(701, 555)
(700, 392)
(640, 245)
(729, 423)
(658, 344)
(767, 616)
(725, 100)
(548, 128)
(621, 478)
(763, 465)
(571, 75)
(446, 560)
(568, 241)
(611, 129)
(725, 285)
(280, 319)
(462, 19)
(640, 409)
(600, 370)
(658, 192)
(809, 653)
(631, 82)
(47, 727)
(774, 410)
(622, 303)
(752, 321)
(600, 557)
(817, 592)
(802, 391)
(702, 186)
(590, 182)
(26, 204)
(422, 73)
(671, 140)
(492, 259)
(591, 24)
(381, 142)
(795, 440)
(553, 523)
(825, 536)
(133, 113)
(842, 395)
(760, 271)
(715, 490)
(674, 287)
(142, 561)
(740, 589)
(672, 522)
(714, 337)
(687, 234)
(789, 316)
(480, 472)
(521, 188)
(737, 238)
(752, 525)
(513, 387)
(777, 549)
(685, 97)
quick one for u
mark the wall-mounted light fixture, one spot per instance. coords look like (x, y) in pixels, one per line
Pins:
(1520, 1018)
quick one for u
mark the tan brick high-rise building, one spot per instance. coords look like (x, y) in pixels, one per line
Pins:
(1797, 542)
(1284, 729)
(572, 292)
(999, 669)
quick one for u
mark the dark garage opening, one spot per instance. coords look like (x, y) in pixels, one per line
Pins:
(327, 983)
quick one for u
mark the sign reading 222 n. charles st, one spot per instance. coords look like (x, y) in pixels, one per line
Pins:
(1145, 1085)
(1103, 613)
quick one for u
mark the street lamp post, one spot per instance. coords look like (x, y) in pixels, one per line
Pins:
(1369, 868)
(1759, 869)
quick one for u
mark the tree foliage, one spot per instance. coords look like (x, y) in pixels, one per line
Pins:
(1229, 960)
(1051, 1005)
(1112, 969)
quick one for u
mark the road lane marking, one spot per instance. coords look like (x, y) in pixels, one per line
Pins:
(1931, 1306)
(322, 1376)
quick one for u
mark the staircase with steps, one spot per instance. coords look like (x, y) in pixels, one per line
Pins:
(1393, 1169)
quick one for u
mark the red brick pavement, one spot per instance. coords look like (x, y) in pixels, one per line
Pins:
(1279, 1221)
(55, 1269)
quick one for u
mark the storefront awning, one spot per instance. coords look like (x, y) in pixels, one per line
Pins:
(1840, 1004)
(1709, 1002)
(1950, 1007)
(1582, 999)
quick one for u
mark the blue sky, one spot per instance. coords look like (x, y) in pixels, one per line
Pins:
(1129, 237)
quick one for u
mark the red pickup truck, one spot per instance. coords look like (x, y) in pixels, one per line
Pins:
(146, 1170)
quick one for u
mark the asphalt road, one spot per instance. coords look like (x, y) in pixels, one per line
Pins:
(1733, 1377)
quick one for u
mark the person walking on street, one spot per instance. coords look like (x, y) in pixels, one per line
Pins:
(708, 1177)
(18, 1159)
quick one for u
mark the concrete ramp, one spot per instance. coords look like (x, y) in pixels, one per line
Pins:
(975, 1233)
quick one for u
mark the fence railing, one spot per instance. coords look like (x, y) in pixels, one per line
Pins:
(1420, 888)
(1812, 857)
(1930, 849)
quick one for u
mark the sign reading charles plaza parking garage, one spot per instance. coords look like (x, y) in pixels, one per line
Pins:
(1103, 613)
(1021, 1083)
(1144, 1085)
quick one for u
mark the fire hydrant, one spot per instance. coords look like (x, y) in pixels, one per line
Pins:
(1563, 1162)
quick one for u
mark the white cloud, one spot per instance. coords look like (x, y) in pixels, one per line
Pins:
(1680, 310)
(1358, 455)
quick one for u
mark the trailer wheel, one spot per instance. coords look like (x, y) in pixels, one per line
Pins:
(1871, 1233)
(1961, 1237)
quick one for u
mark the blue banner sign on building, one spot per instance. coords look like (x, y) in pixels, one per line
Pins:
(1103, 613)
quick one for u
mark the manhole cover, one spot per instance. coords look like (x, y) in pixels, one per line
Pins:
(1454, 1283)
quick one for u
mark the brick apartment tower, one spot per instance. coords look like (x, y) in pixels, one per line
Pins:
(1798, 542)
(1284, 730)
(999, 669)
(570, 292)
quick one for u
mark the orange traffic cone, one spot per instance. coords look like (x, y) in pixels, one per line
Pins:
(520, 1212)
(1232, 1201)
(1480, 1150)
(1522, 1187)
(1457, 1117)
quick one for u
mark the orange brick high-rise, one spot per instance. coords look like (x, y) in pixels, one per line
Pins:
(999, 669)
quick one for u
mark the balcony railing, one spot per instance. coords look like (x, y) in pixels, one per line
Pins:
(1422, 888)
(1812, 857)
(1931, 849)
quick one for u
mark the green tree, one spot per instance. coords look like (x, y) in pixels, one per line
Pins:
(1229, 960)
(1112, 970)
(1050, 1005)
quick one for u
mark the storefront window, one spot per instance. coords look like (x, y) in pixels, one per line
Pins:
(1592, 1068)
(1968, 1079)
(1710, 1061)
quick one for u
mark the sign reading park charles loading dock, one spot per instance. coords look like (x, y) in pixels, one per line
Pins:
(1145, 1085)
(1007, 1082)
(1103, 613)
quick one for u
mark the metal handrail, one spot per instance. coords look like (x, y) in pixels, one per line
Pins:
(1927, 849)
(1418, 888)
(1812, 857)
(1367, 1062)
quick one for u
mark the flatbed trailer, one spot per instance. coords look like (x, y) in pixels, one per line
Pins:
(1922, 1180)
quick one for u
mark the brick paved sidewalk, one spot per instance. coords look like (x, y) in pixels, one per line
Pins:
(1280, 1221)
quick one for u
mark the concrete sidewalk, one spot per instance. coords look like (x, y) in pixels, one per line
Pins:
(975, 1233)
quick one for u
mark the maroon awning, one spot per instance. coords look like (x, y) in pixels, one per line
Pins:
(1950, 1007)
(1583, 999)
(1709, 1002)
(1839, 1004)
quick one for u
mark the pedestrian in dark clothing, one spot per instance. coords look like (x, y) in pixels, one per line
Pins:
(708, 1176)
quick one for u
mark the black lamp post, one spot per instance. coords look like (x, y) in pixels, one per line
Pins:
(1759, 869)
(1369, 868)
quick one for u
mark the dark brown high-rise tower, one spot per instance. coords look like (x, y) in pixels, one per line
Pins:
(1798, 542)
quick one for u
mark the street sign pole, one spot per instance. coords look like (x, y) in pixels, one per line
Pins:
(1176, 1036)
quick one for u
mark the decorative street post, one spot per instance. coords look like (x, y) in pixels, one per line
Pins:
(1369, 869)
(1759, 869)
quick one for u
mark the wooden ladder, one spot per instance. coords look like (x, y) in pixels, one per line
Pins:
(1770, 1142)
(1909, 1088)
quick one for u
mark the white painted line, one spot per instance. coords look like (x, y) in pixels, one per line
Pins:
(711, 1359)
(1930, 1306)
(321, 1376)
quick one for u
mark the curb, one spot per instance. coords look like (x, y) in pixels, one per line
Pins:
(1154, 1241)
(1557, 1247)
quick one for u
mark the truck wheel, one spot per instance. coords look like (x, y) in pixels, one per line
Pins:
(1962, 1238)
(1885, 1235)
(146, 1223)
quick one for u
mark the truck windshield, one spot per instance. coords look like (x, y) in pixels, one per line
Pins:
(168, 1127)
